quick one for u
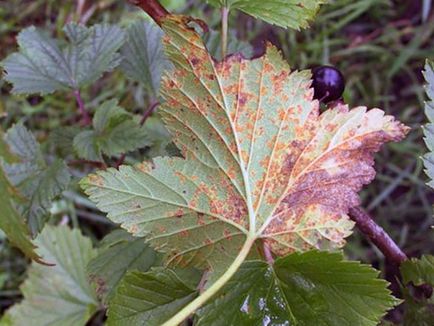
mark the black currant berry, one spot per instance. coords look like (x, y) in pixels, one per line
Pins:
(328, 83)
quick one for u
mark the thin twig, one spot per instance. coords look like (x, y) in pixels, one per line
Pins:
(377, 235)
(85, 117)
(145, 116)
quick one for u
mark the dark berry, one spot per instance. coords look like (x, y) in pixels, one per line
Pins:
(328, 83)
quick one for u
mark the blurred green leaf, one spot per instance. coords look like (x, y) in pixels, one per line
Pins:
(429, 127)
(11, 222)
(43, 66)
(285, 13)
(119, 253)
(57, 295)
(38, 182)
(213, 44)
(115, 131)
(143, 57)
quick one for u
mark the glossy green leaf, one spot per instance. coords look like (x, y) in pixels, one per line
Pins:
(150, 298)
(57, 295)
(429, 127)
(419, 304)
(115, 131)
(285, 13)
(143, 57)
(419, 271)
(38, 182)
(310, 289)
(119, 253)
(43, 66)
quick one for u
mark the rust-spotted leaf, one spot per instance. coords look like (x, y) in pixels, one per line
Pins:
(261, 164)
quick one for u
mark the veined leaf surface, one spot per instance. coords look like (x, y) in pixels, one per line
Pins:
(429, 127)
(260, 161)
(284, 13)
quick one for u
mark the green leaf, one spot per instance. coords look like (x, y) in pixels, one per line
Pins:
(310, 289)
(418, 271)
(158, 136)
(150, 298)
(115, 131)
(62, 139)
(259, 161)
(429, 127)
(57, 295)
(284, 13)
(11, 222)
(38, 182)
(43, 66)
(143, 57)
(419, 306)
(119, 253)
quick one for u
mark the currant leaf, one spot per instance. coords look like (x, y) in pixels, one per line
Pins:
(260, 164)
(310, 289)
(11, 222)
(43, 66)
(419, 308)
(429, 127)
(150, 298)
(118, 253)
(143, 57)
(37, 182)
(57, 295)
(419, 271)
(284, 13)
(115, 131)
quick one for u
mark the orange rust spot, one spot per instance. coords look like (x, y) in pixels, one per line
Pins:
(95, 179)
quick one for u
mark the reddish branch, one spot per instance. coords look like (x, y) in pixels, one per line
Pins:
(377, 235)
(153, 8)
(85, 117)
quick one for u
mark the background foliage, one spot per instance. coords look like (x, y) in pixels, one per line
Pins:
(380, 46)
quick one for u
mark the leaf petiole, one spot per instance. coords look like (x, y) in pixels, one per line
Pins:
(224, 38)
(213, 289)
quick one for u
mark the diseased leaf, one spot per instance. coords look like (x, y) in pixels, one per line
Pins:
(143, 57)
(310, 289)
(119, 253)
(57, 295)
(37, 182)
(11, 222)
(284, 13)
(150, 298)
(115, 131)
(429, 127)
(260, 161)
(43, 66)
